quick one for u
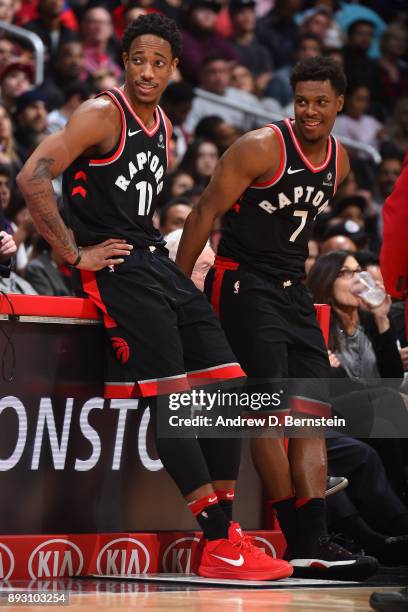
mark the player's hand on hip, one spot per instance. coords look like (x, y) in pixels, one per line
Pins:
(111, 252)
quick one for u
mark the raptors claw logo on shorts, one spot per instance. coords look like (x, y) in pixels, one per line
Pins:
(121, 348)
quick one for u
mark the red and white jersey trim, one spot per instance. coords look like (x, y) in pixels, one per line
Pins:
(282, 165)
(305, 160)
(155, 127)
(109, 160)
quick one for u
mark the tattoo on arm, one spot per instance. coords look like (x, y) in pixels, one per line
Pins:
(43, 207)
(42, 169)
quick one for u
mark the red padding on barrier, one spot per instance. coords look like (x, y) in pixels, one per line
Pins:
(323, 319)
(47, 306)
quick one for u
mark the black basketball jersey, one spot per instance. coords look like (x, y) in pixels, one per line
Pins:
(268, 229)
(115, 195)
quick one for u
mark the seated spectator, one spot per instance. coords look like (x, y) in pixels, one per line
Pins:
(102, 80)
(7, 51)
(69, 64)
(359, 67)
(316, 21)
(366, 365)
(356, 124)
(7, 10)
(279, 87)
(31, 121)
(215, 78)
(386, 177)
(337, 243)
(176, 101)
(100, 51)
(49, 28)
(218, 131)
(8, 151)
(176, 184)
(200, 160)
(74, 95)
(199, 38)
(8, 248)
(254, 55)
(202, 265)
(350, 229)
(42, 271)
(355, 208)
(397, 133)
(278, 31)
(393, 68)
(15, 79)
(174, 215)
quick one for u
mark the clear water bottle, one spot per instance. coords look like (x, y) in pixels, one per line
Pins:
(367, 289)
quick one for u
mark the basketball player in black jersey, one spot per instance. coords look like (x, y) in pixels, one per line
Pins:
(271, 185)
(162, 334)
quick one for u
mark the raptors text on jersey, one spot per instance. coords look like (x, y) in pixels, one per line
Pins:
(269, 228)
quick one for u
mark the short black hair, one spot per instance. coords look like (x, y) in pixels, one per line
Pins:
(320, 69)
(176, 201)
(353, 26)
(178, 92)
(5, 170)
(155, 24)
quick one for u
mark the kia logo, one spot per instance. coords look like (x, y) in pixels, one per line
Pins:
(56, 557)
(177, 556)
(268, 547)
(6, 562)
(123, 557)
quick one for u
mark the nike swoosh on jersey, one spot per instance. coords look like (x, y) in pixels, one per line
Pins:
(133, 133)
(234, 562)
(290, 171)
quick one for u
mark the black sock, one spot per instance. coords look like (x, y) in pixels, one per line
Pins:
(226, 505)
(213, 522)
(311, 522)
(286, 513)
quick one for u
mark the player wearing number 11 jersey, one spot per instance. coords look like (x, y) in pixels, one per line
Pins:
(270, 186)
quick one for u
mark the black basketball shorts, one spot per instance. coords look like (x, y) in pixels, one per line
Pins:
(162, 334)
(272, 329)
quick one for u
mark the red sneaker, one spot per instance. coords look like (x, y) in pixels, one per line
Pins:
(239, 559)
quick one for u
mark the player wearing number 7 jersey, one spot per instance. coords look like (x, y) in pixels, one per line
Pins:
(270, 186)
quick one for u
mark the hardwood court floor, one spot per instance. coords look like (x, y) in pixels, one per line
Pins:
(127, 597)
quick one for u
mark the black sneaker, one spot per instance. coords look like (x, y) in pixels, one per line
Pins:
(390, 602)
(335, 484)
(330, 561)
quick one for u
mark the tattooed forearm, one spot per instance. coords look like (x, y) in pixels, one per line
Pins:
(43, 208)
(42, 169)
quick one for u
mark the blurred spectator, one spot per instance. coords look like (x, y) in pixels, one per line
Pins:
(397, 132)
(357, 209)
(6, 51)
(31, 121)
(124, 14)
(8, 248)
(48, 26)
(8, 152)
(386, 177)
(349, 229)
(175, 185)
(279, 87)
(313, 247)
(200, 160)
(337, 243)
(393, 68)
(98, 45)
(176, 101)
(217, 130)
(174, 158)
(171, 8)
(16, 284)
(174, 215)
(253, 54)
(277, 31)
(360, 68)
(42, 271)
(215, 78)
(204, 261)
(7, 10)
(102, 80)
(74, 95)
(316, 21)
(69, 65)
(15, 79)
(355, 124)
(350, 12)
(199, 38)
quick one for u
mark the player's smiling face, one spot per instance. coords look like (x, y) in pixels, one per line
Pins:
(149, 66)
(316, 108)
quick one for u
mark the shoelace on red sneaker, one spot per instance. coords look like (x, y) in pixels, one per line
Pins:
(246, 545)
